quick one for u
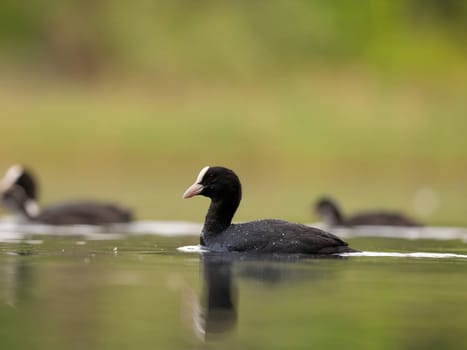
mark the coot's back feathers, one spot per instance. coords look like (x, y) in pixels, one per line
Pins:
(330, 213)
(381, 219)
(276, 236)
(84, 213)
(223, 187)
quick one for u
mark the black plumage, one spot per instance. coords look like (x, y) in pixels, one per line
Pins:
(20, 194)
(223, 187)
(329, 212)
(83, 213)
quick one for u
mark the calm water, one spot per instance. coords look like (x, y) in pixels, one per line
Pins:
(132, 288)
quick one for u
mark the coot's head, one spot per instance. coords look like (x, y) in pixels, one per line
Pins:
(217, 183)
(328, 211)
(17, 175)
(19, 191)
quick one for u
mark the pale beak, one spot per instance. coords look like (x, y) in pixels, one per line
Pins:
(193, 190)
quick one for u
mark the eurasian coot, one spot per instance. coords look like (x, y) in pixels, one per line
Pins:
(329, 212)
(19, 195)
(223, 187)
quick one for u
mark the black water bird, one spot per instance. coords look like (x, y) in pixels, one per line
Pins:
(223, 187)
(19, 194)
(329, 212)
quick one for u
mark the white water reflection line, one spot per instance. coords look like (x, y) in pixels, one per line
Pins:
(11, 230)
(410, 233)
(192, 249)
(425, 255)
(165, 228)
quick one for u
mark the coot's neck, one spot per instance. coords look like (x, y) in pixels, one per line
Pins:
(29, 184)
(336, 216)
(332, 216)
(219, 216)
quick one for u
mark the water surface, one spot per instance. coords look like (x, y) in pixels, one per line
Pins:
(132, 287)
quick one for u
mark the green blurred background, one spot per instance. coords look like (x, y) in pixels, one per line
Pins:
(365, 101)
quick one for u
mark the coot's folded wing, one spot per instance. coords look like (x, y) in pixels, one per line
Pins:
(282, 237)
(84, 213)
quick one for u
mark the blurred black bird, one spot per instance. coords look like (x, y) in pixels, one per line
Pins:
(329, 212)
(19, 194)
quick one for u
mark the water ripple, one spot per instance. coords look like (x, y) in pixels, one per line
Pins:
(10, 230)
(425, 255)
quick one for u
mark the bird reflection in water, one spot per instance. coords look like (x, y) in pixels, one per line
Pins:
(17, 278)
(216, 313)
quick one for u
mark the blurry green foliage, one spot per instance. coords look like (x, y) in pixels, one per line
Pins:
(232, 37)
(365, 100)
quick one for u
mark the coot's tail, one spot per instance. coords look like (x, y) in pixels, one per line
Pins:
(338, 250)
(347, 249)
